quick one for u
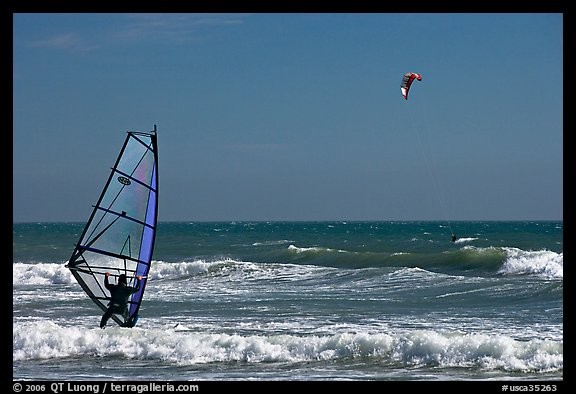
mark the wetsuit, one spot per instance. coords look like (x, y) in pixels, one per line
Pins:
(118, 299)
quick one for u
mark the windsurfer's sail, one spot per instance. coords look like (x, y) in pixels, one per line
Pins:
(119, 236)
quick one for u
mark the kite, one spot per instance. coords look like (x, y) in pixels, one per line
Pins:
(407, 80)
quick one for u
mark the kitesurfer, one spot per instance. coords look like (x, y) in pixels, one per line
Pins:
(118, 297)
(453, 237)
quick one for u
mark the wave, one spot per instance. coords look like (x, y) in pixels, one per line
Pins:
(42, 340)
(57, 274)
(491, 261)
(41, 274)
(544, 264)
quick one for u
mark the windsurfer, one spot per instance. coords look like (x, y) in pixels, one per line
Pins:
(118, 297)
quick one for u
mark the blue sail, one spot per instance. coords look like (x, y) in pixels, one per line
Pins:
(120, 233)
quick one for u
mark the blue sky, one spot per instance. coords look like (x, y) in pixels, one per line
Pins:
(294, 116)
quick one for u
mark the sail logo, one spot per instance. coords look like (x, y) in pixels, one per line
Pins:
(124, 180)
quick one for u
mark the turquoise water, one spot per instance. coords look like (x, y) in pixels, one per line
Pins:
(304, 301)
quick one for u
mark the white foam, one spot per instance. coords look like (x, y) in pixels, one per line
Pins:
(53, 273)
(41, 274)
(314, 249)
(544, 263)
(303, 250)
(47, 340)
(465, 240)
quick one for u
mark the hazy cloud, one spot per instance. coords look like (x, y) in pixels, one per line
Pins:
(134, 28)
(63, 41)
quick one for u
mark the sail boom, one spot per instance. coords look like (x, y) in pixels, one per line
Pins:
(111, 254)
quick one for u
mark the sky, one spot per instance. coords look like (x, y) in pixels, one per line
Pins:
(293, 116)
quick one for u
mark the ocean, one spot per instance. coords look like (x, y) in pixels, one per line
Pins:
(303, 301)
